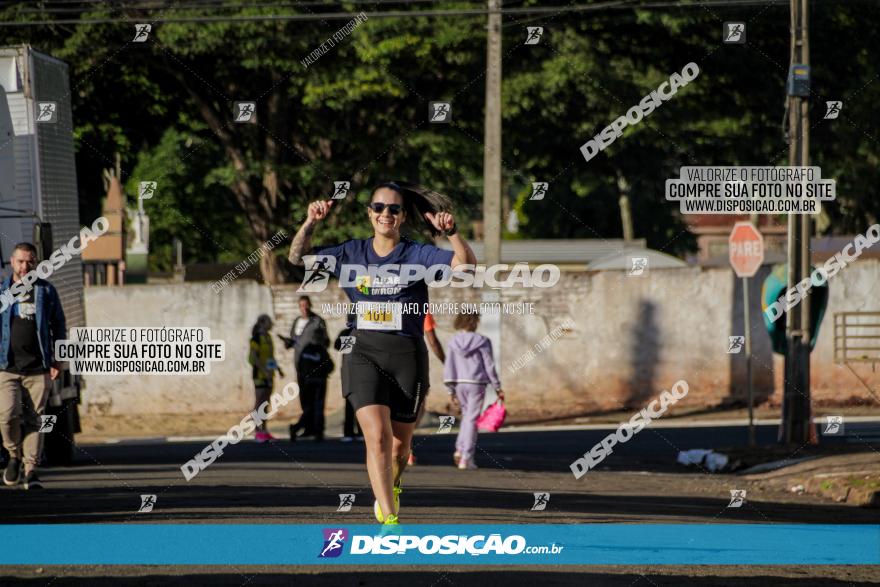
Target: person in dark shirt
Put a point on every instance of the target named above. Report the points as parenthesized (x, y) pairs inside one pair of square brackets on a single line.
[(309, 339), (25, 357), (30, 326), (385, 361)]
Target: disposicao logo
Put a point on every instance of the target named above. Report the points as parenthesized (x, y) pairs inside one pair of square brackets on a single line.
[(334, 541), (432, 544)]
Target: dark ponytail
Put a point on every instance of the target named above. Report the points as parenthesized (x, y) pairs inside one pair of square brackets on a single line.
[(418, 200)]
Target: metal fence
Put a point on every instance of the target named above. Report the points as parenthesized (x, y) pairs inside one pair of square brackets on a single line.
[(856, 337)]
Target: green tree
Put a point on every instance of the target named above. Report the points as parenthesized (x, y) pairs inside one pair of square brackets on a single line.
[(359, 113)]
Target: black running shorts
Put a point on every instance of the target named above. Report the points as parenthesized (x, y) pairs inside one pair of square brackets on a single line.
[(386, 369)]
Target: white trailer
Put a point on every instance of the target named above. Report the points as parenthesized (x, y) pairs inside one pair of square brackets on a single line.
[(38, 198)]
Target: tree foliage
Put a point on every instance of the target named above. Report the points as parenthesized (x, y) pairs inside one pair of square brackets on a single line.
[(360, 113)]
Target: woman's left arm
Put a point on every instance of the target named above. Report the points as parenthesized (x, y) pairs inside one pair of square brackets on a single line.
[(463, 255)]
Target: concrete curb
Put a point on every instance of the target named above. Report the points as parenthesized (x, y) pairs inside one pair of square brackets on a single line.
[(838, 487)]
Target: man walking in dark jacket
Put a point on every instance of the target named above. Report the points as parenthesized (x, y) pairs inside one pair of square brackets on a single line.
[(309, 339), (29, 327)]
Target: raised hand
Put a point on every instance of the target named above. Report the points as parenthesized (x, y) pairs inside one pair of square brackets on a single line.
[(303, 238), (319, 210), (442, 221)]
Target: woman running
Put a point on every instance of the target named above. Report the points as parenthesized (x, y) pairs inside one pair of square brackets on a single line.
[(385, 375)]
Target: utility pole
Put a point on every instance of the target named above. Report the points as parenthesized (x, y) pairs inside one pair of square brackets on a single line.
[(796, 415), (492, 140), (623, 189), (491, 322)]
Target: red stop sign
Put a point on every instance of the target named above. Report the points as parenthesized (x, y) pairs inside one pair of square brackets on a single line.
[(746, 249)]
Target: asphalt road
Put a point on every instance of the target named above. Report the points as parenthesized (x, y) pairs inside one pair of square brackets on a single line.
[(300, 483)]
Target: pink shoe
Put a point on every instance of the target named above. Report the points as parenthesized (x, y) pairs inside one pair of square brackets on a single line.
[(263, 437)]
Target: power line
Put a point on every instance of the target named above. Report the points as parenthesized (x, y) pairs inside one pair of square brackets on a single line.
[(57, 4), (146, 6), (620, 4)]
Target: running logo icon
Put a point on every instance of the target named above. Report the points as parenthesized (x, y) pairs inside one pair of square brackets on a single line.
[(533, 34), (346, 344), (446, 424), (734, 33), (737, 498), (637, 267), (146, 190), (147, 503), (47, 423), (833, 425), (318, 272), (141, 33), (346, 500), (832, 109), (47, 112), (245, 111), (439, 112), (735, 344), (541, 501), (539, 190), (340, 189), (334, 541)]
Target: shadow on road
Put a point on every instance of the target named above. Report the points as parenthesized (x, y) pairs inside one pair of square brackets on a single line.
[(300, 483), (239, 503)]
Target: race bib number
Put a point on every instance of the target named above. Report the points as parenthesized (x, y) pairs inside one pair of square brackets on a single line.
[(380, 316)]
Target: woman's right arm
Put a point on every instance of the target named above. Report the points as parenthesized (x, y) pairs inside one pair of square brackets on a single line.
[(303, 239)]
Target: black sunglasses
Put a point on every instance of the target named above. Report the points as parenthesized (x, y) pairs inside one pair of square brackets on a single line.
[(379, 207)]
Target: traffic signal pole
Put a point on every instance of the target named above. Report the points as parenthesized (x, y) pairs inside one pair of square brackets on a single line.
[(747, 323), (796, 416)]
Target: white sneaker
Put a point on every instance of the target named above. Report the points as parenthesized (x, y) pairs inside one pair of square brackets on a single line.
[(464, 464)]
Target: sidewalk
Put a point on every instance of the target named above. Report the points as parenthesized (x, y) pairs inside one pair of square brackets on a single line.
[(845, 478), (116, 428), (762, 414)]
